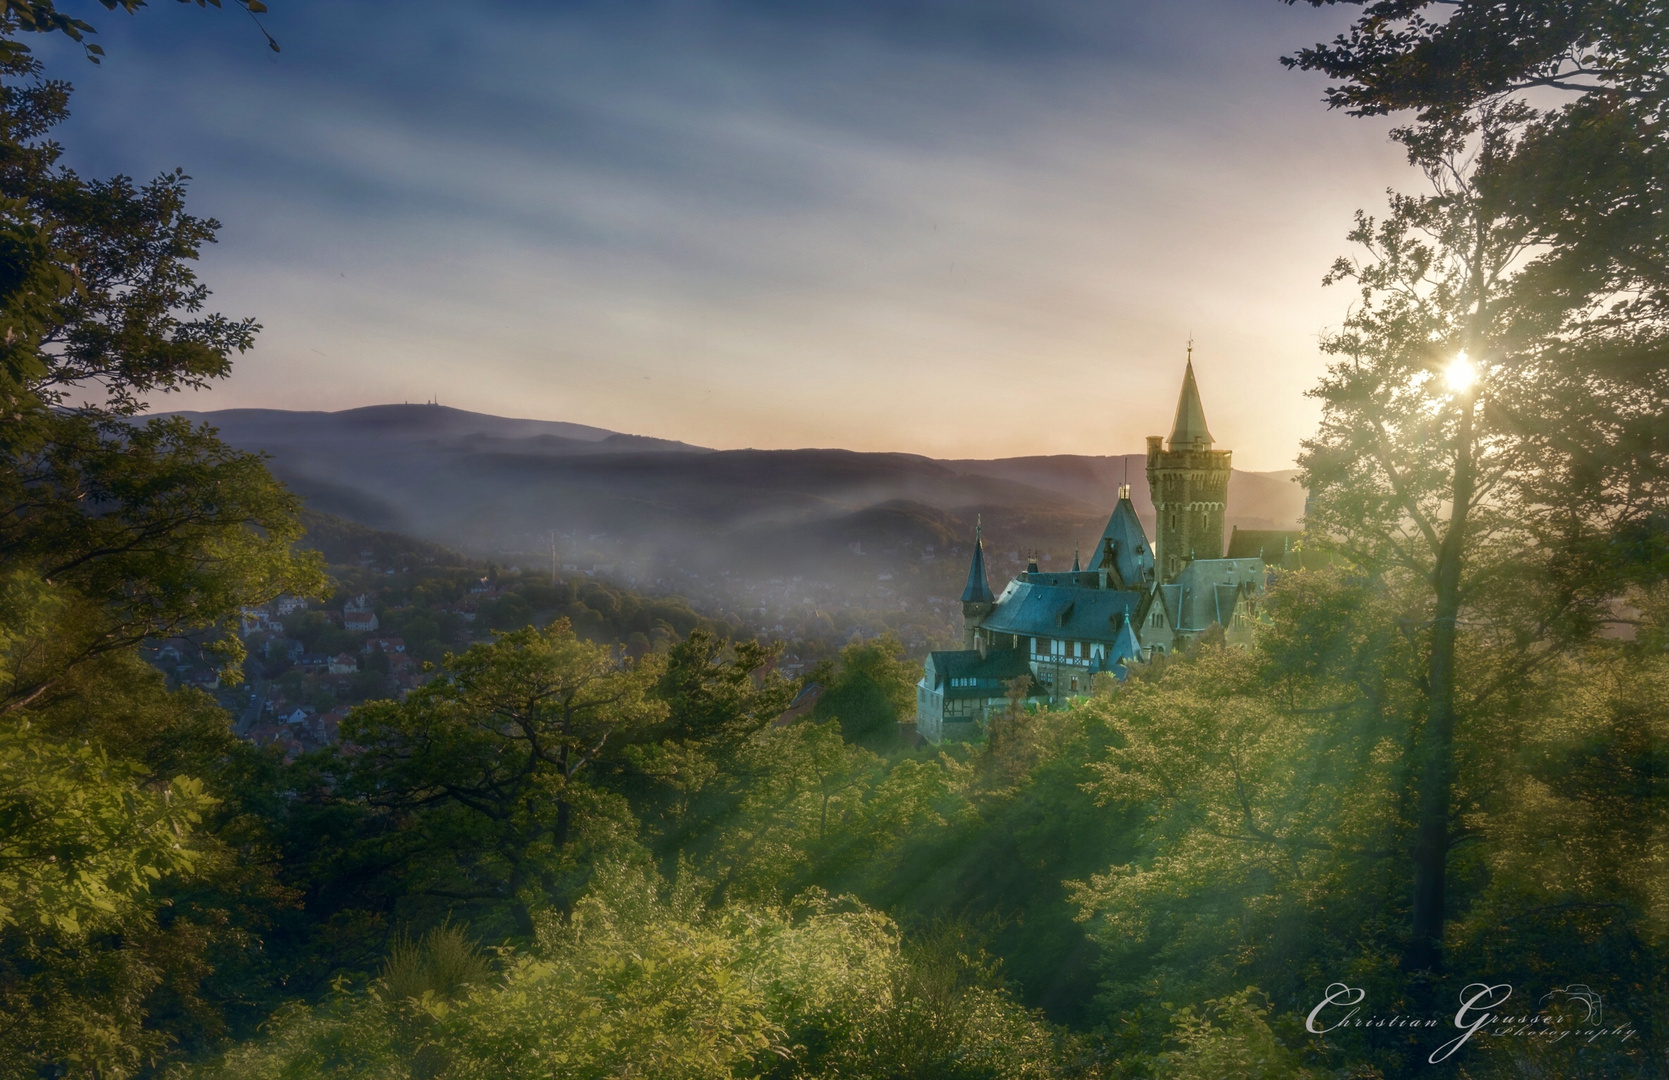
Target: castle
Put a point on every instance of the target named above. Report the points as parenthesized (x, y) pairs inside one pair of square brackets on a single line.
[(1134, 600)]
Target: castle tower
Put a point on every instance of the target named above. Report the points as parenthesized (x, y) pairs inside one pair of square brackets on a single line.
[(977, 600), (1189, 482)]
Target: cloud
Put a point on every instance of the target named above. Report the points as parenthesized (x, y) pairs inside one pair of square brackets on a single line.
[(972, 229)]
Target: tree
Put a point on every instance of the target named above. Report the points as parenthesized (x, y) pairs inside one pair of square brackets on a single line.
[(870, 690), (84, 843), (112, 529), (1398, 56), (721, 690), (43, 16), (643, 980), (1271, 797), (484, 774), (135, 879), (1471, 458), (691, 773), (1259, 827), (1588, 178), (143, 528), (1229, 1037)]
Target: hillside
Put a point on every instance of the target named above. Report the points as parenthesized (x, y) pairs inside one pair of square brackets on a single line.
[(702, 521)]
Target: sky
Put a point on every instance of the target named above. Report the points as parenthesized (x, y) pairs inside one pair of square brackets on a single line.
[(962, 228)]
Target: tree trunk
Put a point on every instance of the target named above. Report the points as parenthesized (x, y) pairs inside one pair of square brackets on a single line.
[(1431, 844), (520, 910), (564, 822), (564, 811)]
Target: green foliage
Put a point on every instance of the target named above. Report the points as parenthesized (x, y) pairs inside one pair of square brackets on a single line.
[(127, 874), (1473, 458), (318, 634), (85, 844), (691, 775), (870, 690), (83, 839), (484, 775), (641, 981), (1266, 825), (1397, 58), (341, 542), (1226, 1038), (506, 613), (1586, 179), (1275, 805), (439, 966), (143, 529)]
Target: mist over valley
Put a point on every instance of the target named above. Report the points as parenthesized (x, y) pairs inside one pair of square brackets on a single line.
[(775, 533)]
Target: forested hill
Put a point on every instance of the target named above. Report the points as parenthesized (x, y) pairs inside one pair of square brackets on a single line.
[(416, 587), (494, 485)]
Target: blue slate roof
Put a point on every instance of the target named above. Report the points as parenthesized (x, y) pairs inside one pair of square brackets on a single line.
[(1189, 429), (1270, 545), (1123, 548), (1206, 591), (1056, 608), (963, 673), (979, 589)]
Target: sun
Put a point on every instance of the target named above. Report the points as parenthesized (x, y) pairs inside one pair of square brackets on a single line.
[(1461, 374)]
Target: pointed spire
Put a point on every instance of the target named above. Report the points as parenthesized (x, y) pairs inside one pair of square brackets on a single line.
[(1075, 567), (979, 589), (1190, 429), (1126, 646)]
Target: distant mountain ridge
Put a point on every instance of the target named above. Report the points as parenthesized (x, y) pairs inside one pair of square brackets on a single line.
[(434, 421), (492, 484)]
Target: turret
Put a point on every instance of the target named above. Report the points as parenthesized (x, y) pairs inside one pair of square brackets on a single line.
[(977, 600), (1123, 556), (1189, 482)]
